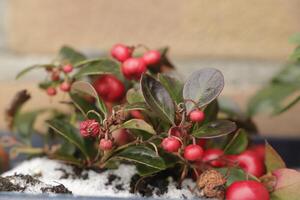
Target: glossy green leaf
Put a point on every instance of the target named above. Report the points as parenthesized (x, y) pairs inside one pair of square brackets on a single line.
[(83, 105), (33, 67), (273, 160), (238, 143), (270, 98), (104, 66), (70, 133), (287, 185), (88, 89), (202, 87), (235, 174), (69, 55), (137, 124), (215, 129), (158, 98), (136, 106), (142, 155), (173, 86), (144, 170)]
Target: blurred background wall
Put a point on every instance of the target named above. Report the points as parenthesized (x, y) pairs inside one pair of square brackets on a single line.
[(247, 40)]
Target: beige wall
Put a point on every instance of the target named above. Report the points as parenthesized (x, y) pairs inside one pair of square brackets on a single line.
[(214, 28)]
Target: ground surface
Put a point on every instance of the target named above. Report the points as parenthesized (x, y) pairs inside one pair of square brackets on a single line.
[(41, 175)]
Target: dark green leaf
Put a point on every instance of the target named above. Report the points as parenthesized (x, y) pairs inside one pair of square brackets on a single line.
[(142, 155), (144, 170), (83, 105), (88, 89), (173, 86), (28, 69), (137, 124), (211, 111), (66, 158), (158, 98), (136, 106), (24, 124), (238, 143), (235, 174), (273, 160), (202, 87), (104, 66), (69, 55), (70, 133), (270, 98), (215, 129)]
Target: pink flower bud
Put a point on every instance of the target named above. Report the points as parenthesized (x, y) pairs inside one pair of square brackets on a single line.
[(89, 128)]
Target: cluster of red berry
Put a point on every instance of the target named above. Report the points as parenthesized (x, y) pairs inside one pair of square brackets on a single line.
[(55, 76), (133, 67), (251, 160), (91, 128)]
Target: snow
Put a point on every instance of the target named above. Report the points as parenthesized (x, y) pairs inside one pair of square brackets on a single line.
[(95, 185)]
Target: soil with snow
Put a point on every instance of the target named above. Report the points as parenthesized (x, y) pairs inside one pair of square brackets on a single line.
[(41, 175)]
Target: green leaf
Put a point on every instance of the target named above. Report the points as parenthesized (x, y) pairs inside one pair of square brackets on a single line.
[(287, 185), (287, 107), (70, 133), (24, 124), (270, 98), (158, 98), (295, 39), (295, 55), (83, 105), (144, 170), (85, 62), (211, 111), (273, 160), (28, 69), (88, 89), (173, 86), (103, 66), (235, 174), (142, 155), (290, 74), (238, 143), (69, 55), (215, 129), (66, 158), (202, 87), (135, 106), (137, 124), (134, 96)]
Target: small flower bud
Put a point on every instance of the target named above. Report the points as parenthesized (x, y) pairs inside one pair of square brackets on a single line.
[(89, 128)]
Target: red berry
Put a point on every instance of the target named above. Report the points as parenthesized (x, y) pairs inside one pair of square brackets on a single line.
[(65, 87), (171, 144), (133, 68), (109, 88), (136, 114), (193, 152), (105, 144), (247, 190), (251, 163), (197, 116), (55, 75), (67, 68), (211, 156), (121, 136), (89, 127), (177, 131), (51, 91), (121, 52), (259, 150), (151, 57)]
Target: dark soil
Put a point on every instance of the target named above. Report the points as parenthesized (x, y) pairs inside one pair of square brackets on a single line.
[(59, 189), (149, 186), (111, 178), (6, 185), (77, 173)]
